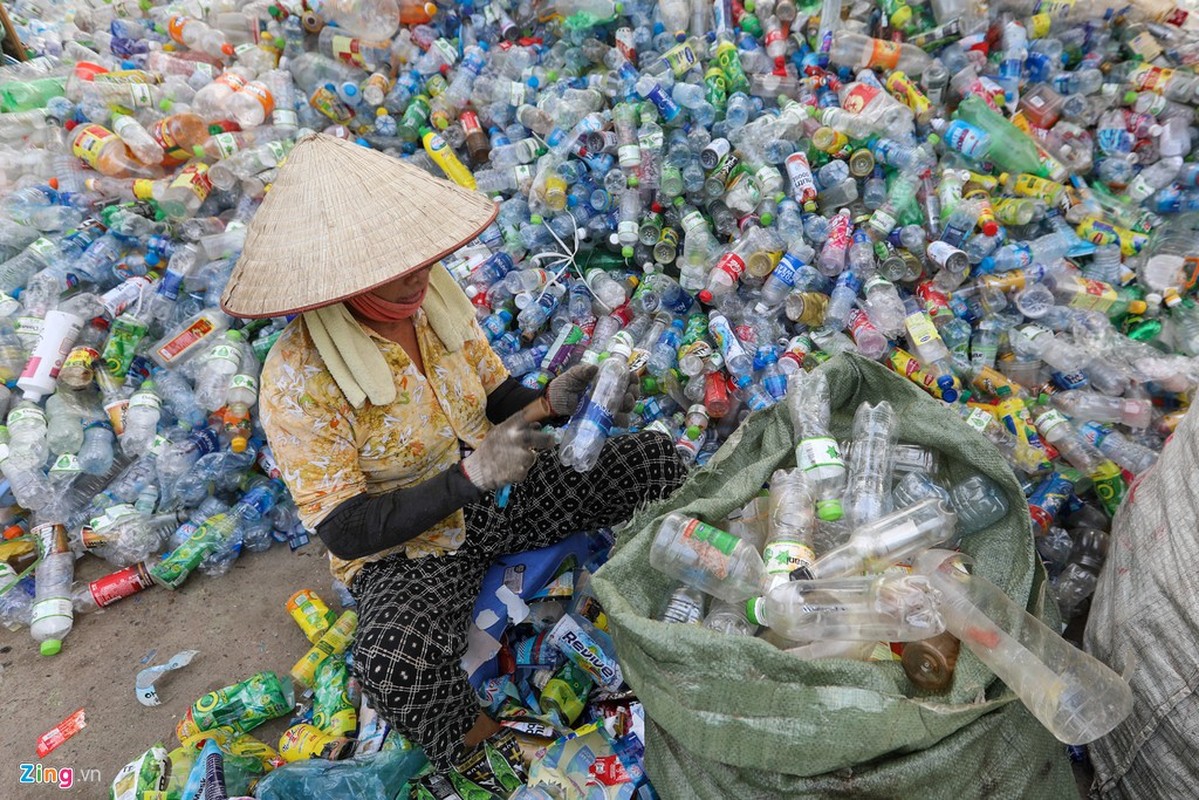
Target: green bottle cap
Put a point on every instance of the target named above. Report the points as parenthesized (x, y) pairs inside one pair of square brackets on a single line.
[(751, 610), (829, 510), (51, 647), (626, 251), (1130, 97)]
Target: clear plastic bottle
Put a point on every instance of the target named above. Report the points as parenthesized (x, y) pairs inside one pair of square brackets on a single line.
[(1070, 692), (141, 420), (857, 50), (53, 614), (588, 428), (27, 444), (886, 541), (1091, 406), (219, 365), (817, 452), (96, 455), (713, 561), (871, 459), (729, 618), (685, 606), (788, 546), (890, 608), (978, 502)]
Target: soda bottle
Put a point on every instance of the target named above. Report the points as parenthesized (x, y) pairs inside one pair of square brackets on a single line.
[(589, 427)]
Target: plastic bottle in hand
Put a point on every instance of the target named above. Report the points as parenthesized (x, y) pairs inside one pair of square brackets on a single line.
[(714, 561), (817, 453), (588, 428), (1071, 693), (886, 541), (889, 608), (53, 614), (871, 460)]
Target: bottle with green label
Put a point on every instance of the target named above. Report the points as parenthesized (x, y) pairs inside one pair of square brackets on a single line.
[(711, 560)]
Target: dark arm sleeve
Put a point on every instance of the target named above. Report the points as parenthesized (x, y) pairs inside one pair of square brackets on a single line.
[(508, 398), (365, 525)]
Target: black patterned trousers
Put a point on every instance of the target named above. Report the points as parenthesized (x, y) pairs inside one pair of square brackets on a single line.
[(414, 614)]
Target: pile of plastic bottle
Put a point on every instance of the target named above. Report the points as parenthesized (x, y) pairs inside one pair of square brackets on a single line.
[(988, 201), (839, 560)]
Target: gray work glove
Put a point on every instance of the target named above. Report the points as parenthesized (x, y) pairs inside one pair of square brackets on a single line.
[(563, 393), (507, 453)]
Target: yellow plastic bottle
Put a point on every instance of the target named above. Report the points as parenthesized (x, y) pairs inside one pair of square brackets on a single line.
[(443, 155)]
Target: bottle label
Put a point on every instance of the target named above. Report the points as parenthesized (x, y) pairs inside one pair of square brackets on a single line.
[(241, 381), (145, 400), (81, 359), (262, 94), (226, 144), (940, 252), (921, 330), (225, 352), (732, 265), (713, 546), (979, 420), (860, 96), (51, 608), (140, 95), (783, 558), (116, 414), (803, 185), (285, 118), (968, 140), (820, 453), (348, 49), (1096, 295), (194, 178), (1037, 187), (683, 611), (90, 142), (1049, 420), (904, 90), (1109, 486), (119, 298), (42, 247), (185, 340), (885, 54), (22, 414), (66, 464)]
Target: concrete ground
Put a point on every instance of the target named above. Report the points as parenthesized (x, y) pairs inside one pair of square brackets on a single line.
[(238, 622)]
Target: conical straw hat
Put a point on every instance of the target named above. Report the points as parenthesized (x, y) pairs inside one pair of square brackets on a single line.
[(341, 219)]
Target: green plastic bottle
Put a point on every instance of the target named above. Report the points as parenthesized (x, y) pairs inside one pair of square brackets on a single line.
[(1011, 149)]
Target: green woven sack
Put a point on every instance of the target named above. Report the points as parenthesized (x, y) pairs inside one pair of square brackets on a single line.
[(734, 717)]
